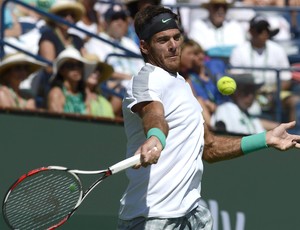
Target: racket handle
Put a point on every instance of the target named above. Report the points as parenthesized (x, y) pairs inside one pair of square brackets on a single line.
[(125, 164)]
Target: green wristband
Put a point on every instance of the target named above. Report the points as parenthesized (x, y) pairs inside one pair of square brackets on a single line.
[(159, 134), (254, 142)]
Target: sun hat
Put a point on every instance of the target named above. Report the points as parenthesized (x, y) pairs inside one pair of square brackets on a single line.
[(19, 58), (61, 5), (105, 69), (261, 23), (214, 2), (70, 53)]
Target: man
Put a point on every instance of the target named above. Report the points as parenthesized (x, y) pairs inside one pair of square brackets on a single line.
[(233, 116), (116, 26), (163, 122), (217, 35), (262, 52)]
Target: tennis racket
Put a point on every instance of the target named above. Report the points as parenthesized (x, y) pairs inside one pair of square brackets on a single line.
[(45, 198)]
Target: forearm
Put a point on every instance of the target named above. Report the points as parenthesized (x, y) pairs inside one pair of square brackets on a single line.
[(222, 148)]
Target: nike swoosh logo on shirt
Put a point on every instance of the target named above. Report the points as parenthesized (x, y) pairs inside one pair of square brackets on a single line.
[(165, 20)]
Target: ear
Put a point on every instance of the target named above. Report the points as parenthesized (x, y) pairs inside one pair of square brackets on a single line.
[(144, 47)]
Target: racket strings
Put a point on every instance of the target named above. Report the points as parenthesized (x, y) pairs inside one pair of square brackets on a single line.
[(42, 200)]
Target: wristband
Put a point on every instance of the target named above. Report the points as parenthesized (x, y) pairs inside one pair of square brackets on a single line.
[(254, 142), (159, 134)]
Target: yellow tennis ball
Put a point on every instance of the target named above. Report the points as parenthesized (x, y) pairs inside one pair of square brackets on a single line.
[(226, 85)]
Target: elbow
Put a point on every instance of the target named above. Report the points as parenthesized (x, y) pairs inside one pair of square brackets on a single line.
[(209, 158)]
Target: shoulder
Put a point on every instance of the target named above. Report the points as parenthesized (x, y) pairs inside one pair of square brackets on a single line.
[(56, 92), (226, 108), (4, 91), (275, 46)]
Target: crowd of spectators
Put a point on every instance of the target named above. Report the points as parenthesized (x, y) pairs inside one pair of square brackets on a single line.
[(92, 62)]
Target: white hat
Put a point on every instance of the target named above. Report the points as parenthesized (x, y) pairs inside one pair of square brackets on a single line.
[(20, 59), (67, 54)]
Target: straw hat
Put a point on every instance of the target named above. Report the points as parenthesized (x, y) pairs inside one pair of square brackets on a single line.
[(67, 54), (105, 69), (18, 58), (62, 5), (212, 2)]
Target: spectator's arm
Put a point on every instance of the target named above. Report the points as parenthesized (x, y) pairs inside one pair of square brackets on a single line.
[(15, 30), (47, 51), (56, 100)]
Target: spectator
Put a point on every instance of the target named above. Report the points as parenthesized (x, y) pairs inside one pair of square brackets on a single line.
[(12, 28), (260, 51), (276, 19), (233, 116), (295, 19), (133, 7), (90, 21), (193, 68), (55, 38), (67, 93), (116, 26), (31, 32), (216, 35), (13, 69), (97, 105)]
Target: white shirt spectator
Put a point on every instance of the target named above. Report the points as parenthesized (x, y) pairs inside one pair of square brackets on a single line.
[(208, 36), (235, 120), (273, 56)]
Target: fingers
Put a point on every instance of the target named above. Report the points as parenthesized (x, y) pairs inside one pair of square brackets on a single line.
[(289, 125), (148, 158)]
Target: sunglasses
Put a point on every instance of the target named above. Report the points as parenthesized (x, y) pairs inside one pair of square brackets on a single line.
[(118, 16), (66, 13), (23, 67), (72, 65)]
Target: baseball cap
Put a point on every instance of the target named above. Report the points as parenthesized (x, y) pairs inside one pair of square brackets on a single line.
[(115, 12), (260, 23)]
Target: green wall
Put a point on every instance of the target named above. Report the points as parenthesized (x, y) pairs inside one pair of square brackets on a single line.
[(256, 192)]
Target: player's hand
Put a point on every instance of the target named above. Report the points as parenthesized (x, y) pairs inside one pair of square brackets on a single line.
[(280, 139), (150, 152)]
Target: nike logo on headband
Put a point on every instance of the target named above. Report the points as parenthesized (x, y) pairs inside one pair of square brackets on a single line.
[(165, 20)]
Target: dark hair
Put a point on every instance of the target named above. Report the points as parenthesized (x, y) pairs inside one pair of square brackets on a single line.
[(58, 82), (144, 16)]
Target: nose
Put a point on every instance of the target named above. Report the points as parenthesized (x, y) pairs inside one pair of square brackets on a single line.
[(172, 45)]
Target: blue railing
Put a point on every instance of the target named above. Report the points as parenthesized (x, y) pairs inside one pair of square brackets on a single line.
[(55, 18)]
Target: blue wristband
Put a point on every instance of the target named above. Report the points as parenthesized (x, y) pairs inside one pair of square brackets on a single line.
[(159, 134), (254, 142)]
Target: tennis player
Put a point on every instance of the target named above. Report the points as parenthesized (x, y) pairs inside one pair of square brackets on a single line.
[(161, 111)]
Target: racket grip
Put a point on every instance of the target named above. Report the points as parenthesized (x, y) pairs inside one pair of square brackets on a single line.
[(125, 164)]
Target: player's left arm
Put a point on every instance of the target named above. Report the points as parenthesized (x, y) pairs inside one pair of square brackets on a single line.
[(218, 148)]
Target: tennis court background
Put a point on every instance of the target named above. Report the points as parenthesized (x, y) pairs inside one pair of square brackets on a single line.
[(256, 192)]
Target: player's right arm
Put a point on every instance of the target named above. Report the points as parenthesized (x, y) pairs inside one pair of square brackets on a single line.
[(152, 115)]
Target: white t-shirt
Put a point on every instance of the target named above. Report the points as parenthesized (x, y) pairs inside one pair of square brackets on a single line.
[(208, 36), (235, 120), (171, 188), (273, 56)]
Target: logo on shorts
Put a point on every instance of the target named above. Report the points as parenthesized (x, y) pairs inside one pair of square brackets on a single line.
[(165, 20)]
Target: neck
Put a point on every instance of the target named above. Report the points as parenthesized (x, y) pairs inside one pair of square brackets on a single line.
[(71, 86), (256, 45)]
